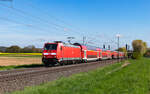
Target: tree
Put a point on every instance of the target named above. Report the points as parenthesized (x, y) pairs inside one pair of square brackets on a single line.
[(145, 47), (13, 49), (31, 49), (139, 48), (3, 49)]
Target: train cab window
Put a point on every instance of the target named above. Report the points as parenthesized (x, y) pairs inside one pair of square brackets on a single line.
[(50, 47)]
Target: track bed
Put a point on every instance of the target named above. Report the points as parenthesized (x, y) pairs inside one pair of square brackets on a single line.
[(17, 79)]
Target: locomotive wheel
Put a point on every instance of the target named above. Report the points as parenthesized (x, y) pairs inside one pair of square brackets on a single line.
[(73, 62), (52, 65), (61, 63), (112, 56), (46, 64), (84, 61)]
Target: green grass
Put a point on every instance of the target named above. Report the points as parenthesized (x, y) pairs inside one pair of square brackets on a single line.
[(133, 79), (20, 66)]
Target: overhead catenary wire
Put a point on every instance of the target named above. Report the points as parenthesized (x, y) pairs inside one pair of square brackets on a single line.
[(23, 24), (27, 25), (25, 13), (30, 15), (22, 12), (40, 19), (23, 16), (36, 17), (36, 8), (55, 18), (51, 16)]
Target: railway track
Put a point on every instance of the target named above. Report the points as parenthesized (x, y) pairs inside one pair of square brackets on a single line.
[(18, 79)]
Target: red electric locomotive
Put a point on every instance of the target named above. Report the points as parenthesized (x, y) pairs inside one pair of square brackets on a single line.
[(61, 53)]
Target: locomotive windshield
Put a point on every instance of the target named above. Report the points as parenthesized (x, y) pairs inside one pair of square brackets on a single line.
[(50, 46)]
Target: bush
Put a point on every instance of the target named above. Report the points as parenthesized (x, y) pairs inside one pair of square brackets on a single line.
[(13, 49), (139, 48), (136, 55), (147, 54), (31, 49)]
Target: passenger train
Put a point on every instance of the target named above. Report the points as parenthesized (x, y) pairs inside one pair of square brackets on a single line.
[(61, 53)]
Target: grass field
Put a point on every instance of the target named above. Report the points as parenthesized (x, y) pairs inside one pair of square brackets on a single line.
[(11, 59), (113, 79)]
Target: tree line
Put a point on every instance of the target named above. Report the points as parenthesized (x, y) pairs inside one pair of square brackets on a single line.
[(17, 49)]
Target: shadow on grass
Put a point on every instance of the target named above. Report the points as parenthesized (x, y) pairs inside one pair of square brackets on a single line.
[(29, 66), (21, 66)]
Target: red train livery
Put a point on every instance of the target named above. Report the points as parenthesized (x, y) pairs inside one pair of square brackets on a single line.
[(61, 53)]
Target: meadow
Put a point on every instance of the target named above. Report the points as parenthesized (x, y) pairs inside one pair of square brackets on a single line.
[(114, 79)]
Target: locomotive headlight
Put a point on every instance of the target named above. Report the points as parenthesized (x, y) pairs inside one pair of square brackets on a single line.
[(53, 53), (45, 53)]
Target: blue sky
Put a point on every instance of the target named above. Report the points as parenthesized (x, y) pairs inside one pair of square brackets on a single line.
[(98, 20)]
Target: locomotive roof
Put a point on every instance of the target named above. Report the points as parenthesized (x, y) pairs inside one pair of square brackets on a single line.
[(64, 44), (70, 45)]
